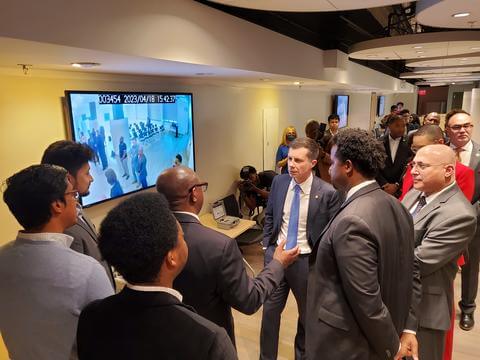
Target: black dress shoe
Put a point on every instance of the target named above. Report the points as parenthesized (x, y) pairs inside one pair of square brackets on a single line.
[(466, 322)]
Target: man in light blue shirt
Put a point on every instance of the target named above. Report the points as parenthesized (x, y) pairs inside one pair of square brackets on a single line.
[(44, 284)]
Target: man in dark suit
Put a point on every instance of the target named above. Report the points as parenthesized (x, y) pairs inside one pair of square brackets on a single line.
[(147, 319), (214, 279), (361, 270), (459, 128), (444, 222), (398, 156), (299, 206), (74, 157)]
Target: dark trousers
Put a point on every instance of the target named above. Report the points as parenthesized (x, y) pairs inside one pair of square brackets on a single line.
[(431, 344), (470, 275), (295, 279)]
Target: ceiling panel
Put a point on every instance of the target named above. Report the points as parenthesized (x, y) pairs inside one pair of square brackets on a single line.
[(438, 13)]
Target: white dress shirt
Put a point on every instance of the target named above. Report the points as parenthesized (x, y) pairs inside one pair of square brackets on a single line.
[(393, 143), (156, 289), (302, 241), (357, 187), (466, 154), (430, 198), (188, 213)]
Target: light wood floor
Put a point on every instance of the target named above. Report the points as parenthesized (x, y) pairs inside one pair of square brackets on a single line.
[(247, 328)]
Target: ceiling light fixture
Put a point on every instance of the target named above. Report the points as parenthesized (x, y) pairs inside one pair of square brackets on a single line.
[(418, 47), (371, 56), (266, 79), (85, 64), (464, 59), (460, 15), (297, 83), (475, 48), (420, 52), (422, 56)]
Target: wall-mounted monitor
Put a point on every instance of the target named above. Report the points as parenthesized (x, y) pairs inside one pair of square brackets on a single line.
[(134, 137), (381, 105), (340, 107)]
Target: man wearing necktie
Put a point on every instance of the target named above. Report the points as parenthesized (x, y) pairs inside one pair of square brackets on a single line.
[(74, 157), (459, 128), (299, 206), (361, 269), (444, 223)]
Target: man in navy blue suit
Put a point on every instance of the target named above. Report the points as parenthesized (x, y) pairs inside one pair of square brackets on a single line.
[(299, 207)]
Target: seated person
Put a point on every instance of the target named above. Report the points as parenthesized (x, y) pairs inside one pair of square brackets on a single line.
[(254, 188), (45, 284), (147, 319)]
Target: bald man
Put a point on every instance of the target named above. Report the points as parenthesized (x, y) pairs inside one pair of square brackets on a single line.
[(432, 119), (444, 222), (214, 279)]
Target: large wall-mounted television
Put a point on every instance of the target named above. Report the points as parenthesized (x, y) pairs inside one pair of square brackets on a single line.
[(340, 107), (381, 105), (134, 137)]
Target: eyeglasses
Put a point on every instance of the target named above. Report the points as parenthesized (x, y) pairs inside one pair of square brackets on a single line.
[(74, 193), (203, 186), (459, 127), (421, 165)]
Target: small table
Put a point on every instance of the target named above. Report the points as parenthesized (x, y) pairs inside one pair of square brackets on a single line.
[(208, 221)]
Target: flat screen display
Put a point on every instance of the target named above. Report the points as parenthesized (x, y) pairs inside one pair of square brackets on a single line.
[(381, 105), (134, 137), (340, 107)]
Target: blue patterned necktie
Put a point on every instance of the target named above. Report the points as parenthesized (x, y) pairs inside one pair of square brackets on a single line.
[(293, 221), (421, 203)]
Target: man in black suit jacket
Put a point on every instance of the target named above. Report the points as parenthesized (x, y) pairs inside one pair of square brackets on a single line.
[(147, 319), (398, 156), (74, 157), (214, 279), (318, 201), (361, 270)]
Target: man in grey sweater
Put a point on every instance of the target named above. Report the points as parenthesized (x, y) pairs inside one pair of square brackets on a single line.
[(44, 284)]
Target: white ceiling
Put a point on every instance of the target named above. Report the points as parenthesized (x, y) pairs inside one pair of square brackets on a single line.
[(444, 75), (417, 46), (466, 59), (438, 13), (309, 5), (450, 69)]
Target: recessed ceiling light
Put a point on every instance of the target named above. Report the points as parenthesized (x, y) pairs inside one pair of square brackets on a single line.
[(463, 59), (85, 64), (297, 83), (266, 79), (418, 47), (475, 48), (371, 56), (460, 15), (422, 56), (453, 83)]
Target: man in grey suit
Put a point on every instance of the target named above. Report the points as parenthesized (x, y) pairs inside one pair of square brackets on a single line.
[(74, 157), (444, 222), (214, 279), (361, 269), (44, 284), (459, 128), (299, 206)]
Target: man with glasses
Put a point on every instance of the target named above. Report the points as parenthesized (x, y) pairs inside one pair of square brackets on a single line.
[(444, 223), (44, 283), (459, 128), (75, 157), (214, 279), (430, 135)]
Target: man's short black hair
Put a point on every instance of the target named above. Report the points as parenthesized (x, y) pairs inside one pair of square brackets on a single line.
[(454, 112), (393, 108), (366, 154), (31, 192), (333, 117), (393, 118), (68, 154), (179, 158), (400, 103), (404, 112), (136, 236), (246, 171)]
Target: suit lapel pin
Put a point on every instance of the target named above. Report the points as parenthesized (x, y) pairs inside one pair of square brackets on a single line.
[(316, 196)]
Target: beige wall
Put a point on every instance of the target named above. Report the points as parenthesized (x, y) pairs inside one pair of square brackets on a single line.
[(228, 123)]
